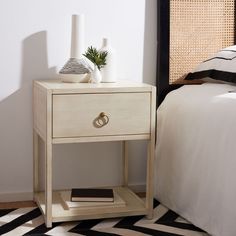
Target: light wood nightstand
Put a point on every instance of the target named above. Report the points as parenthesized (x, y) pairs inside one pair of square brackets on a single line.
[(82, 112)]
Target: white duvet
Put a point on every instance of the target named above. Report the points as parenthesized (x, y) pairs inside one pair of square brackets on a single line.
[(195, 172)]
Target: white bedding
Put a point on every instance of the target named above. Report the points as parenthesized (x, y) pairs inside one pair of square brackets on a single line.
[(195, 172)]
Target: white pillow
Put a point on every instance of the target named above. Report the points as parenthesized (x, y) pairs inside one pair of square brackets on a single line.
[(221, 67)]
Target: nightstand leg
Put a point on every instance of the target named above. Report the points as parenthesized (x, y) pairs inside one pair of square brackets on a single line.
[(48, 184), (36, 162), (150, 172), (125, 163)]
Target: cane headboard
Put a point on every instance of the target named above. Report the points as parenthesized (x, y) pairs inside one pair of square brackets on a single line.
[(190, 31)]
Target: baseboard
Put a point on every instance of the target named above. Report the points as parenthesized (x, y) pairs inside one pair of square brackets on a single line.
[(28, 196), (16, 197)]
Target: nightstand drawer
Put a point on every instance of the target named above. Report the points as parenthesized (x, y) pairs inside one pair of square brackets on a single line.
[(77, 115)]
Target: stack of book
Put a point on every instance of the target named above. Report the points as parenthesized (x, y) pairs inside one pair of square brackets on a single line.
[(92, 195), (90, 198)]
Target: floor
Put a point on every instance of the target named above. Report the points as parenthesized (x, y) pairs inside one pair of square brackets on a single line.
[(11, 205), (29, 221)]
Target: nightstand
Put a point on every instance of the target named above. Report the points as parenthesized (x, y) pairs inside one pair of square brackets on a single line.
[(83, 112)]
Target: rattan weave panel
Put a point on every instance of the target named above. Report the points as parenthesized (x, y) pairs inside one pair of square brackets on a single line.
[(198, 29)]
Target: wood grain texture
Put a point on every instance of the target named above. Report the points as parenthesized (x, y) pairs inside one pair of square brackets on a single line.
[(48, 162), (134, 206), (14, 205), (107, 138), (40, 110), (150, 157), (77, 115), (68, 114), (125, 163), (36, 161), (58, 87)]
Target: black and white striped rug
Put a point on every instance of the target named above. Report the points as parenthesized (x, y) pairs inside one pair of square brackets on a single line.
[(29, 221)]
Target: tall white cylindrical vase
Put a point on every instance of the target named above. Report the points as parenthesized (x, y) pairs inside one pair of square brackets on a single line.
[(109, 70), (77, 68), (77, 36)]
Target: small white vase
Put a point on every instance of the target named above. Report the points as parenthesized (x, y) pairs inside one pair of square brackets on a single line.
[(96, 76), (109, 70)]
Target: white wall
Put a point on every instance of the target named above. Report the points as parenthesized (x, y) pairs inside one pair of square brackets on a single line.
[(34, 44)]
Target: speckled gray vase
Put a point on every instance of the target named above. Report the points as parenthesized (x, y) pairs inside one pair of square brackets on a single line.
[(75, 71)]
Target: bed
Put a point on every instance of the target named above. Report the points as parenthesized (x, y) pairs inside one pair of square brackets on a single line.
[(195, 167), (196, 131)]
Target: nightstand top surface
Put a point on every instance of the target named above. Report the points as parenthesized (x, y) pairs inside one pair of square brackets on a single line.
[(56, 86)]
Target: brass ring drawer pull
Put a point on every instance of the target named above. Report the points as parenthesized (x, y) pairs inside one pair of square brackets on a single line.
[(101, 120)]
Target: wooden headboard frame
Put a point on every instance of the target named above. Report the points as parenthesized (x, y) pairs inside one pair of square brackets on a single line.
[(227, 38)]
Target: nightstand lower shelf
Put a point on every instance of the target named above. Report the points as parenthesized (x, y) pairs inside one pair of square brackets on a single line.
[(133, 206)]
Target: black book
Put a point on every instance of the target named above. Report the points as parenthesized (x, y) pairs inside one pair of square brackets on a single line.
[(92, 195)]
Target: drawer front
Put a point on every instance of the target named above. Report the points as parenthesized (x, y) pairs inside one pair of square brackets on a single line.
[(77, 115)]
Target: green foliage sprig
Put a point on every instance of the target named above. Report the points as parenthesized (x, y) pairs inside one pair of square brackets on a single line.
[(98, 58)]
